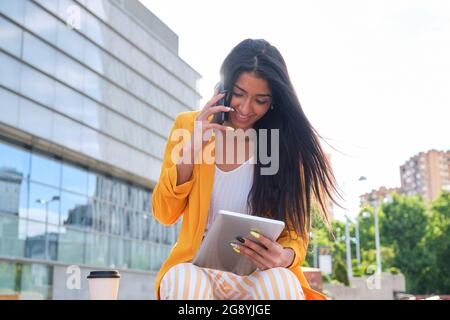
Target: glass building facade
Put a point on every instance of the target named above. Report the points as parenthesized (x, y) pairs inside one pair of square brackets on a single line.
[(88, 94)]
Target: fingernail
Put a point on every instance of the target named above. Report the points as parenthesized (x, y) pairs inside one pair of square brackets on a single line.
[(240, 239), (255, 234), (235, 247), (230, 109), (230, 128)]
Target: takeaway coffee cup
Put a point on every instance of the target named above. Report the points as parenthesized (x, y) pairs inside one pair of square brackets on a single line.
[(103, 285)]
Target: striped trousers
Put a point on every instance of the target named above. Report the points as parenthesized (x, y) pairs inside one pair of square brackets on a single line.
[(186, 281)]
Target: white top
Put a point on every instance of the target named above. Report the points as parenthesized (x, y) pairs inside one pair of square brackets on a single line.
[(230, 190)]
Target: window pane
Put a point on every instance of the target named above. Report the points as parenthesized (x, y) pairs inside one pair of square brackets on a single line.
[(39, 54), (67, 132), (74, 179), (68, 101), (100, 8), (11, 71), (100, 215), (154, 263), (93, 57), (70, 42), (17, 160), (10, 37), (92, 185), (35, 119), (133, 198), (104, 188), (92, 112), (36, 282), (122, 193), (24, 198), (51, 5), (12, 235), (136, 230), (10, 111), (93, 85), (13, 193), (69, 71), (71, 246), (140, 255), (40, 22), (153, 230), (140, 200), (13, 9), (114, 216), (145, 225), (117, 252), (158, 256), (42, 208), (126, 254), (96, 249), (95, 30), (45, 170), (119, 20), (8, 277), (41, 241), (127, 223), (74, 210), (147, 202), (121, 214), (94, 205), (37, 86)]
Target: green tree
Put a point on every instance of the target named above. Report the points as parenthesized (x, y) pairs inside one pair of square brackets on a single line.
[(340, 272), (437, 244), (404, 227), (414, 237), (334, 239), (366, 228)]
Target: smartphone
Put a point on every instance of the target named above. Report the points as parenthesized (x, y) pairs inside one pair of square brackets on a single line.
[(222, 116)]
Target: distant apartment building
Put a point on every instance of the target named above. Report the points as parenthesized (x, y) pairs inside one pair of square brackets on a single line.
[(371, 197), (426, 174)]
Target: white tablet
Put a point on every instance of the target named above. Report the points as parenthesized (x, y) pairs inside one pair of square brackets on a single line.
[(215, 251)]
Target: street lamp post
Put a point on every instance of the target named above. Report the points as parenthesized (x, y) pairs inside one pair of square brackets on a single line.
[(349, 248), (358, 249), (377, 239), (46, 203), (377, 231)]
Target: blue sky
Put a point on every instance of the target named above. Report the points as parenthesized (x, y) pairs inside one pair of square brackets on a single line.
[(373, 77)]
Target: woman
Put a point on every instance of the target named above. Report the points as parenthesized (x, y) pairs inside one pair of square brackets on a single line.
[(260, 96)]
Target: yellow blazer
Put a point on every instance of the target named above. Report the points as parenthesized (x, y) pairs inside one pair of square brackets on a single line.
[(191, 199)]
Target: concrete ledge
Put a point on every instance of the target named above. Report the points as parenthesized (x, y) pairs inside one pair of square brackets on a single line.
[(367, 288)]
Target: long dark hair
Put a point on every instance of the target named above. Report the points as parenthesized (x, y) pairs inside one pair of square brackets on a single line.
[(305, 176)]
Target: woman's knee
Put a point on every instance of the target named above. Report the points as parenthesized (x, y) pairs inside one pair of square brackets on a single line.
[(180, 267), (289, 274), (178, 280), (290, 286)]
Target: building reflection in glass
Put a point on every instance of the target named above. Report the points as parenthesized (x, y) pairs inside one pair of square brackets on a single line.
[(32, 280), (96, 220)]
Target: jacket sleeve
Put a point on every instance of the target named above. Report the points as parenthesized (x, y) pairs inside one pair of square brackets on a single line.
[(168, 199), (290, 239)]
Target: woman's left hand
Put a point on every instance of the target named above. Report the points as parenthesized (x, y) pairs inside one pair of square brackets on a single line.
[(266, 254)]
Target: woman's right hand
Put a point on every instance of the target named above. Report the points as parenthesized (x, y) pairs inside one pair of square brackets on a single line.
[(203, 128)]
